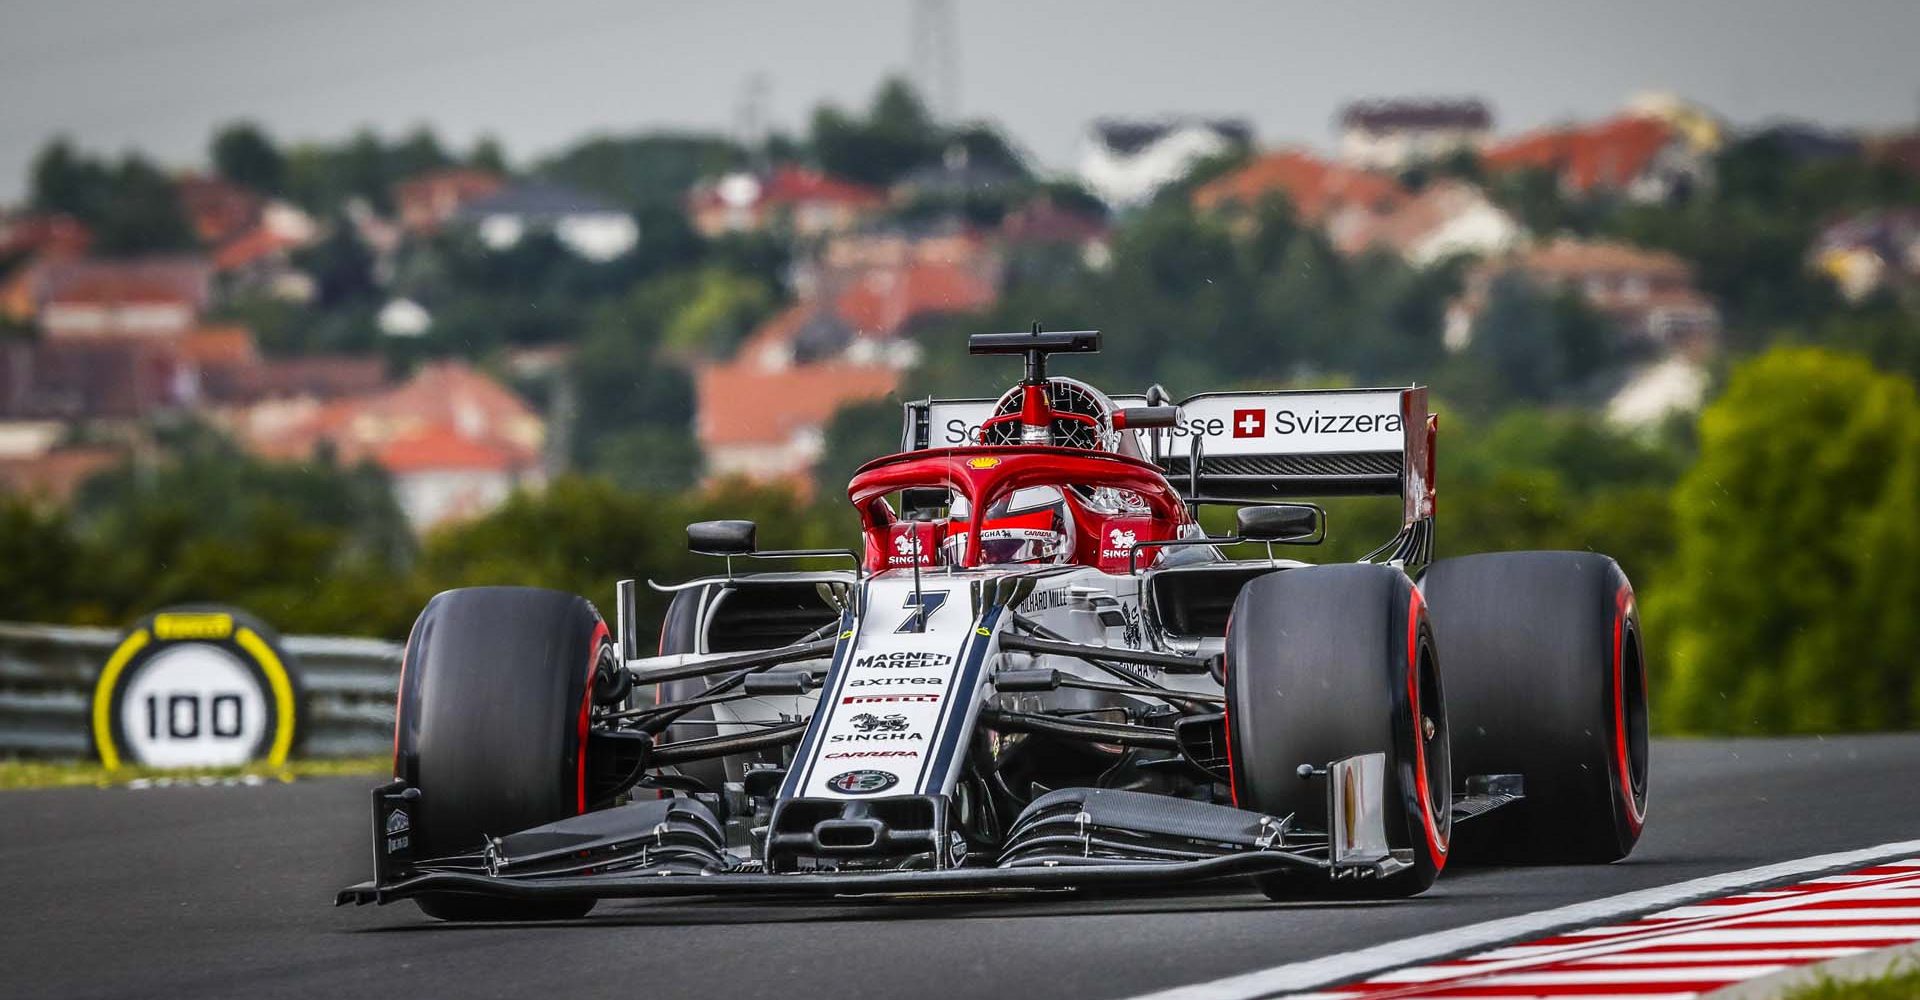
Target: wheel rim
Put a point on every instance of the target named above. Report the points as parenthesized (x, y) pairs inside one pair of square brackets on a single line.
[(1634, 719), (1436, 746)]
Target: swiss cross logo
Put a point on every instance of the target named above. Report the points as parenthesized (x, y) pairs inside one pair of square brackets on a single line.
[(1249, 424)]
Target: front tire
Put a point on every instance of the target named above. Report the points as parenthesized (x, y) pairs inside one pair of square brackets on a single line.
[(1326, 662), (492, 724)]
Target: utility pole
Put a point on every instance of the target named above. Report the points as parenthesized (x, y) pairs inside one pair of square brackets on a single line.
[(750, 118), (936, 60)]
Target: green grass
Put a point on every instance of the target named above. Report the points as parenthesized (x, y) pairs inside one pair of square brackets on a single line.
[(1899, 983), (18, 774)]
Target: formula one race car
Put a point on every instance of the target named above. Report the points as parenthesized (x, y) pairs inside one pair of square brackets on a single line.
[(1039, 673)]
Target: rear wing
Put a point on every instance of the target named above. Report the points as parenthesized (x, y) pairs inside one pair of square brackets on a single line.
[(1255, 447)]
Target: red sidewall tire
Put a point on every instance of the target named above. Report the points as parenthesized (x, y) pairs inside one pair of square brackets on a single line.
[(1546, 678), (491, 725), (1328, 662)]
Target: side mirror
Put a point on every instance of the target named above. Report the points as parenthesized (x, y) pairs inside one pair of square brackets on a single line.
[(1280, 522), (721, 538), (1140, 418)]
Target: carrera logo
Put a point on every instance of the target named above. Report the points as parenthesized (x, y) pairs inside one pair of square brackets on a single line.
[(1249, 424), (1289, 422), (870, 754), (879, 699)]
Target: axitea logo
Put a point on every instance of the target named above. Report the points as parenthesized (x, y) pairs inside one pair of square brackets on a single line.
[(1254, 423)]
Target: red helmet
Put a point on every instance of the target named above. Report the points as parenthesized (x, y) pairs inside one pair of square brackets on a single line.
[(1032, 525)]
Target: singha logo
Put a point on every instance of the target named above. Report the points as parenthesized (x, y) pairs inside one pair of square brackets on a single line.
[(907, 546), (867, 722), (1122, 539)]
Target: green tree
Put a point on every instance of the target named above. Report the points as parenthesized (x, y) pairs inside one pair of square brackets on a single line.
[(582, 535), (646, 171), (896, 135), (720, 309), (1791, 604), (141, 212), (1534, 345), (63, 180), (244, 154), (38, 561), (488, 154), (341, 266), (131, 206), (857, 434)]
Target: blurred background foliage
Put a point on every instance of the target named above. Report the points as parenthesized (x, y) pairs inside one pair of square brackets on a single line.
[(1774, 541)]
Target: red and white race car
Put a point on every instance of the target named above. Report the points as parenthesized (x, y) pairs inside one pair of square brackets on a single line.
[(1039, 671)]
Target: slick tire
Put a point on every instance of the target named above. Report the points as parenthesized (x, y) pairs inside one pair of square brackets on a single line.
[(1326, 662), (492, 724), (1546, 678)]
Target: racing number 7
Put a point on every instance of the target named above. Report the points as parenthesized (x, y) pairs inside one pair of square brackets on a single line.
[(922, 605)]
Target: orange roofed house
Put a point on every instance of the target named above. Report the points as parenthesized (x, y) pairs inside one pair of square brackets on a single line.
[(427, 201), (455, 442), (1318, 189), (1359, 209), (1649, 295), (807, 202), (764, 414), (143, 297), (1643, 156)]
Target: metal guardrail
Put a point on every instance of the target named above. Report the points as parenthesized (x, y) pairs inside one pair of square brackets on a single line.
[(47, 674)]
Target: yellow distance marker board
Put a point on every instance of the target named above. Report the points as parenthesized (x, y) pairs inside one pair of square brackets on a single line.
[(196, 687)]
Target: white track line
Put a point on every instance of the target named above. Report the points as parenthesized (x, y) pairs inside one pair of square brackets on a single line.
[(1296, 976)]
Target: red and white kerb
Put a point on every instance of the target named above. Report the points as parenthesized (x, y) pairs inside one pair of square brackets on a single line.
[(1682, 952)]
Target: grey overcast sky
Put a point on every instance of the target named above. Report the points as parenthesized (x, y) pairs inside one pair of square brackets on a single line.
[(158, 75)]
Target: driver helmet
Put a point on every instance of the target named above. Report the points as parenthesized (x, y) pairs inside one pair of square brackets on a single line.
[(1032, 526)]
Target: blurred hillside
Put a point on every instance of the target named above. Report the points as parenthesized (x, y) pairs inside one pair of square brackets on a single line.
[(326, 380)]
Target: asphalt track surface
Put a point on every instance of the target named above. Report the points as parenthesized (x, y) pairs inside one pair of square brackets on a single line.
[(226, 891)]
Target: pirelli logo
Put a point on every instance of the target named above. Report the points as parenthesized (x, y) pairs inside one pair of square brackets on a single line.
[(870, 699), (178, 626)]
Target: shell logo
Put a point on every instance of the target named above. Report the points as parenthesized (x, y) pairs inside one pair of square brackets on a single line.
[(982, 462)]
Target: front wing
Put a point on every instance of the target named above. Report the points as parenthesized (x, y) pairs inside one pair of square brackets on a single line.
[(1068, 839)]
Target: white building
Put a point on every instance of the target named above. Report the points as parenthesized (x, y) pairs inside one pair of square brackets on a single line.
[(1126, 162), (590, 227), (1393, 134)]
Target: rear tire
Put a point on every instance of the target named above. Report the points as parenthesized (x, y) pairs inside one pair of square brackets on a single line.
[(1326, 662), (1546, 678), (491, 727)]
